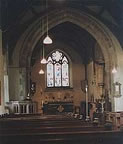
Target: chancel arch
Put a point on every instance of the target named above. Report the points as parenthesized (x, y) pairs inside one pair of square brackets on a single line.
[(108, 43)]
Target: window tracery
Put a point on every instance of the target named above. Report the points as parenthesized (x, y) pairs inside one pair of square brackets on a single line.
[(57, 70)]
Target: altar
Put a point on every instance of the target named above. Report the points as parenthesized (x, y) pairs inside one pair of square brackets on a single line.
[(57, 107)]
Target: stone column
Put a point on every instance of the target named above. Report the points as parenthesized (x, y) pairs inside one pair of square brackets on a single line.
[(108, 84), (27, 108), (6, 78), (19, 110), (2, 108)]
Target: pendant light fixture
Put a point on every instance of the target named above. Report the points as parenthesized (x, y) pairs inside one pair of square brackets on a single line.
[(114, 70), (47, 39), (41, 72), (43, 61)]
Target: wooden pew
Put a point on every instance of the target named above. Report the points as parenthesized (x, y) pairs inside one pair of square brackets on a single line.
[(64, 137), (55, 130)]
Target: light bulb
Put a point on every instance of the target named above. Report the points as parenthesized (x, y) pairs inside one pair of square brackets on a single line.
[(47, 40), (86, 88), (41, 72), (114, 70), (43, 61)]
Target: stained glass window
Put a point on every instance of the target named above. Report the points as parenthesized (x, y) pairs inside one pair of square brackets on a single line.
[(57, 75), (65, 74), (50, 80), (57, 70)]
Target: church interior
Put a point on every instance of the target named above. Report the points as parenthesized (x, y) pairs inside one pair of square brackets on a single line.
[(61, 66)]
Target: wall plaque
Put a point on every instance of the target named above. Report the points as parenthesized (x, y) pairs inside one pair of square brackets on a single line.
[(117, 89)]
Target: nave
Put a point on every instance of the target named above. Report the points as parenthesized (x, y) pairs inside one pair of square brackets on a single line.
[(55, 129), (77, 72)]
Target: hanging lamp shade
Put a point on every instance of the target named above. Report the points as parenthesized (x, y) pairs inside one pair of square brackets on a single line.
[(41, 72), (47, 40), (114, 70), (43, 61)]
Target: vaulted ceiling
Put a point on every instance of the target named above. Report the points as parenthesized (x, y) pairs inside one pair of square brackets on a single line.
[(13, 11), (72, 36)]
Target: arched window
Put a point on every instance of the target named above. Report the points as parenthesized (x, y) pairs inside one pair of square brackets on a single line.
[(58, 70)]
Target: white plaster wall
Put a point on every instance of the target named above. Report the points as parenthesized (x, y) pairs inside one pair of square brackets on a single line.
[(118, 77)]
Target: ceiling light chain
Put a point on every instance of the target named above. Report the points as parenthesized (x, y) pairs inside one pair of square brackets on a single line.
[(43, 61), (47, 39)]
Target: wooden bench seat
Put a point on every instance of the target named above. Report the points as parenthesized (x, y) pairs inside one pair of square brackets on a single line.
[(23, 123), (50, 129), (55, 130), (70, 137)]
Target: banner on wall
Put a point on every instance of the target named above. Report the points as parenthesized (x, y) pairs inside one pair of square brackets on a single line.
[(117, 89)]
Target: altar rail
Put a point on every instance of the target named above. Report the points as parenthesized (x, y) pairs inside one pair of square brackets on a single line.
[(22, 107), (116, 118)]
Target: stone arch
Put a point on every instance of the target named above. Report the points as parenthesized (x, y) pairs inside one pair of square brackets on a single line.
[(108, 43)]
